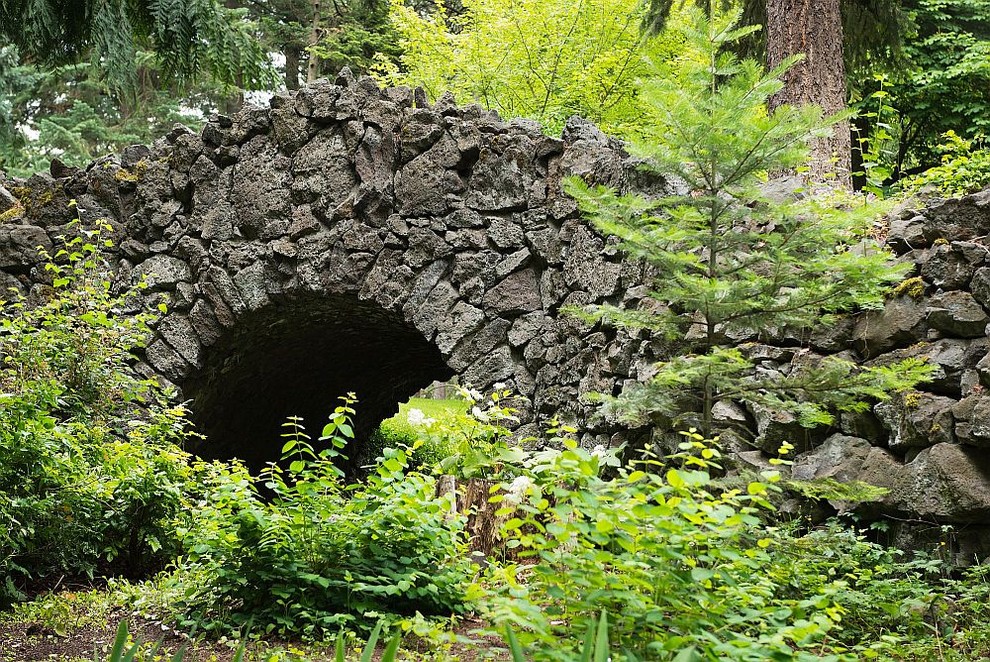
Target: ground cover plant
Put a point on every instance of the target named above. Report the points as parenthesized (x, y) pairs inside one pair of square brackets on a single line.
[(91, 468), (321, 554)]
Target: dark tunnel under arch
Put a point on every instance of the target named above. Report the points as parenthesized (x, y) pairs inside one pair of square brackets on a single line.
[(295, 357)]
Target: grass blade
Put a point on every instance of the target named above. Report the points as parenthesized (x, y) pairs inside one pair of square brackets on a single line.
[(514, 646), (392, 650), (601, 645), (369, 648), (117, 652), (589, 642)]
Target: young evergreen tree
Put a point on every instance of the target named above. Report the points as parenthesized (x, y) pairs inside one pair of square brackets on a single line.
[(734, 263)]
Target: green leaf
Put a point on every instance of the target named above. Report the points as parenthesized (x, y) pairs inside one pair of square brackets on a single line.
[(602, 653), (369, 648), (514, 647)]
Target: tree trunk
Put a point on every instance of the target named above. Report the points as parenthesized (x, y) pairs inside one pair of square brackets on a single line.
[(313, 70), (291, 68), (814, 28)]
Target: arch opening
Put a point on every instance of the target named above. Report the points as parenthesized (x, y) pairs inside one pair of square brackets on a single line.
[(295, 357)]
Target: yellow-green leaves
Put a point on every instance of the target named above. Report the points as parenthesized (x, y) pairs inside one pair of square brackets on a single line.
[(541, 59)]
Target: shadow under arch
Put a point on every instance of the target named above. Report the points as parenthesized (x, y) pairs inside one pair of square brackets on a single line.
[(295, 357)]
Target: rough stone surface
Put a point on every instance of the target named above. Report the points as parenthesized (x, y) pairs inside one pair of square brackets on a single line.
[(900, 323), (957, 313), (840, 457), (944, 483), (917, 420)]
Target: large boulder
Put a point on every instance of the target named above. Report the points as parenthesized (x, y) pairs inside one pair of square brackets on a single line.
[(956, 313), (945, 483), (840, 458), (917, 420), (901, 323)]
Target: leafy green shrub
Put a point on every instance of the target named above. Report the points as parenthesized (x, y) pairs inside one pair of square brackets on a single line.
[(410, 425), (466, 437), (90, 474), (321, 554), (964, 169), (683, 570)]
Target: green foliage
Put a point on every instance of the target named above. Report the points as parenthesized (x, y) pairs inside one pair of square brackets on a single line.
[(123, 650), (190, 38), (476, 445), (361, 38), (940, 82), (73, 114), (411, 425), (829, 489), (90, 473), (735, 263), (555, 59), (595, 646), (683, 571), (964, 169), (319, 554), (466, 437)]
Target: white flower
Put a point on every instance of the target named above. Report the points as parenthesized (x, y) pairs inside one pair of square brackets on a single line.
[(517, 490), (599, 451), (476, 395), (416, 417), (499, 386), (479, 415)]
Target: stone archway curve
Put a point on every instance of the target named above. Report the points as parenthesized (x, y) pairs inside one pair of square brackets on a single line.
[(349, 225)]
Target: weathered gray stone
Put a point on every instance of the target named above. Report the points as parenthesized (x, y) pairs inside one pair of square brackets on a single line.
[(162, 272), (951, 266), (975, 412), (958, 219), (773, 428), (907, 234), (421, 128), (7, 200), (840, 457), (899, 324), (917, 420), (864, 424), (19, 246), (946, 482), (179, 333), (958, 314), (585, 269), (502, 178), (518, 292), (462, 320), (980, 286)]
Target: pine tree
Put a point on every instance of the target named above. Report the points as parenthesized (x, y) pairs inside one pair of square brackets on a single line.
[(734, 263), (835, 36)]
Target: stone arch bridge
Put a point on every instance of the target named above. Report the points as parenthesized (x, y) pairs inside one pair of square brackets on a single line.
[(350, 238)]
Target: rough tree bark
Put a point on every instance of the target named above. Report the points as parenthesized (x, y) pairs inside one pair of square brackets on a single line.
[(313, 70), (292, 56), (814, 28)]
